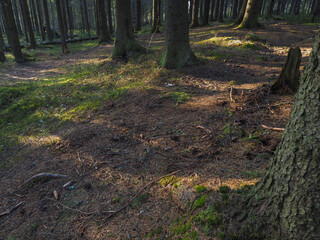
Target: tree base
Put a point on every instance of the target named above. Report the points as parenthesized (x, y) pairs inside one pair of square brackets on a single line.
[(126, 49), (179, 59)]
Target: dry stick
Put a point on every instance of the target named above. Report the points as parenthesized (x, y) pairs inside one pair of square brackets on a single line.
[(141, 190), (76, 210), (11, 210), (264, 106), (204, 129), (42, 176), (272, 128)]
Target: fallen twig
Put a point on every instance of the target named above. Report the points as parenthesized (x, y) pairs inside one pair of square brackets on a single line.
[(11, 210), (266, 106), (141, 190), (204, 129), (44, 176), (272, 128)]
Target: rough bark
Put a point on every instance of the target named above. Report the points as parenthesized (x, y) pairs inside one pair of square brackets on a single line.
[(12, 30), (16, 15), (102, 18), (290, 74), (138, 13), (250, 19), (26, 13), (195, 14), (242, 12), (285, 204), (177, 50), (47, 19), (124, 42), (64, 45)]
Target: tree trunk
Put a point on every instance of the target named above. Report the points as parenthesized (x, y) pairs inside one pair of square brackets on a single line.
[(124, 42), (190, 11), (290, 74), (316, 11), (242, 11), (156, 17), (64, 17), (25, 11), (2, 48), (285, 204), (109, 13), (270, 9), (201, 2), (250, 19), (16, 15), (70, 17), (138, 13), (34, 15), (212, 10), (43, 35), (195, 16), (12, 30), (47, 19), (86, 17), (102, 18), (221, 7), (216, 11), (206, 12), (64, 45), (177, 50)]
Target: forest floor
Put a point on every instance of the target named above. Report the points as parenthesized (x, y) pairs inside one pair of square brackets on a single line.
[(112, 127)]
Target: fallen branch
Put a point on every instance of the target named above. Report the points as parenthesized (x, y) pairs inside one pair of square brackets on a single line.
[(272, 128), (11, 210), (204, 129), (43, 177), (141, 190)]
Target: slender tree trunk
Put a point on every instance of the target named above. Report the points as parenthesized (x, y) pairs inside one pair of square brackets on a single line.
[(48, 26), (43, 35), (235, 9), (201, 2), (64, 45), (156, 17), (297, 7), (33, 13), (206, 12), (270, 9), (109, 13), (138, 13), (216, 11), (16, 15), (2, 48), (12, 30), (250, 19), (124, 42), (25, 10), (285, 204), (102, 18), (242, 12), (86, 16), (316, 11), (221, 7), (195, 16), (212, 10), (190, 11), (82, 17), (64, 17), (177, 50), (225, 8), (70, 17)]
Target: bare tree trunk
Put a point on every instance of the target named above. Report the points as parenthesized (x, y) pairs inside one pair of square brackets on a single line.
[(109, 13), (64, 45), (138, 13), (250, 19), (43, 35), (216, 11), (195, 16), (156, 17), (12, 30), (70, 17), (26, 13), (86, 17), (33, 13), (47, 19), (235, 9), (212, 10), (206, 12), (221, 7), (270, 9), (177, 51), (2, 48), (102, 18), (190, 11), (16, 15)]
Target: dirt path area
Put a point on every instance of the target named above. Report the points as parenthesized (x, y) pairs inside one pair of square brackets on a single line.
[(210, 132)]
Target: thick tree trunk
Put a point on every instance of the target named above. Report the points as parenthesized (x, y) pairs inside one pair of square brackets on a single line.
[(102, 18), (290, 74), (12, 30), (124, 42), (47, 19), (206, 12), (177, 50), (250, 19), (138, 13), (25, 11), (64, 45), (156, 17), (195, 14), (285, 204)]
